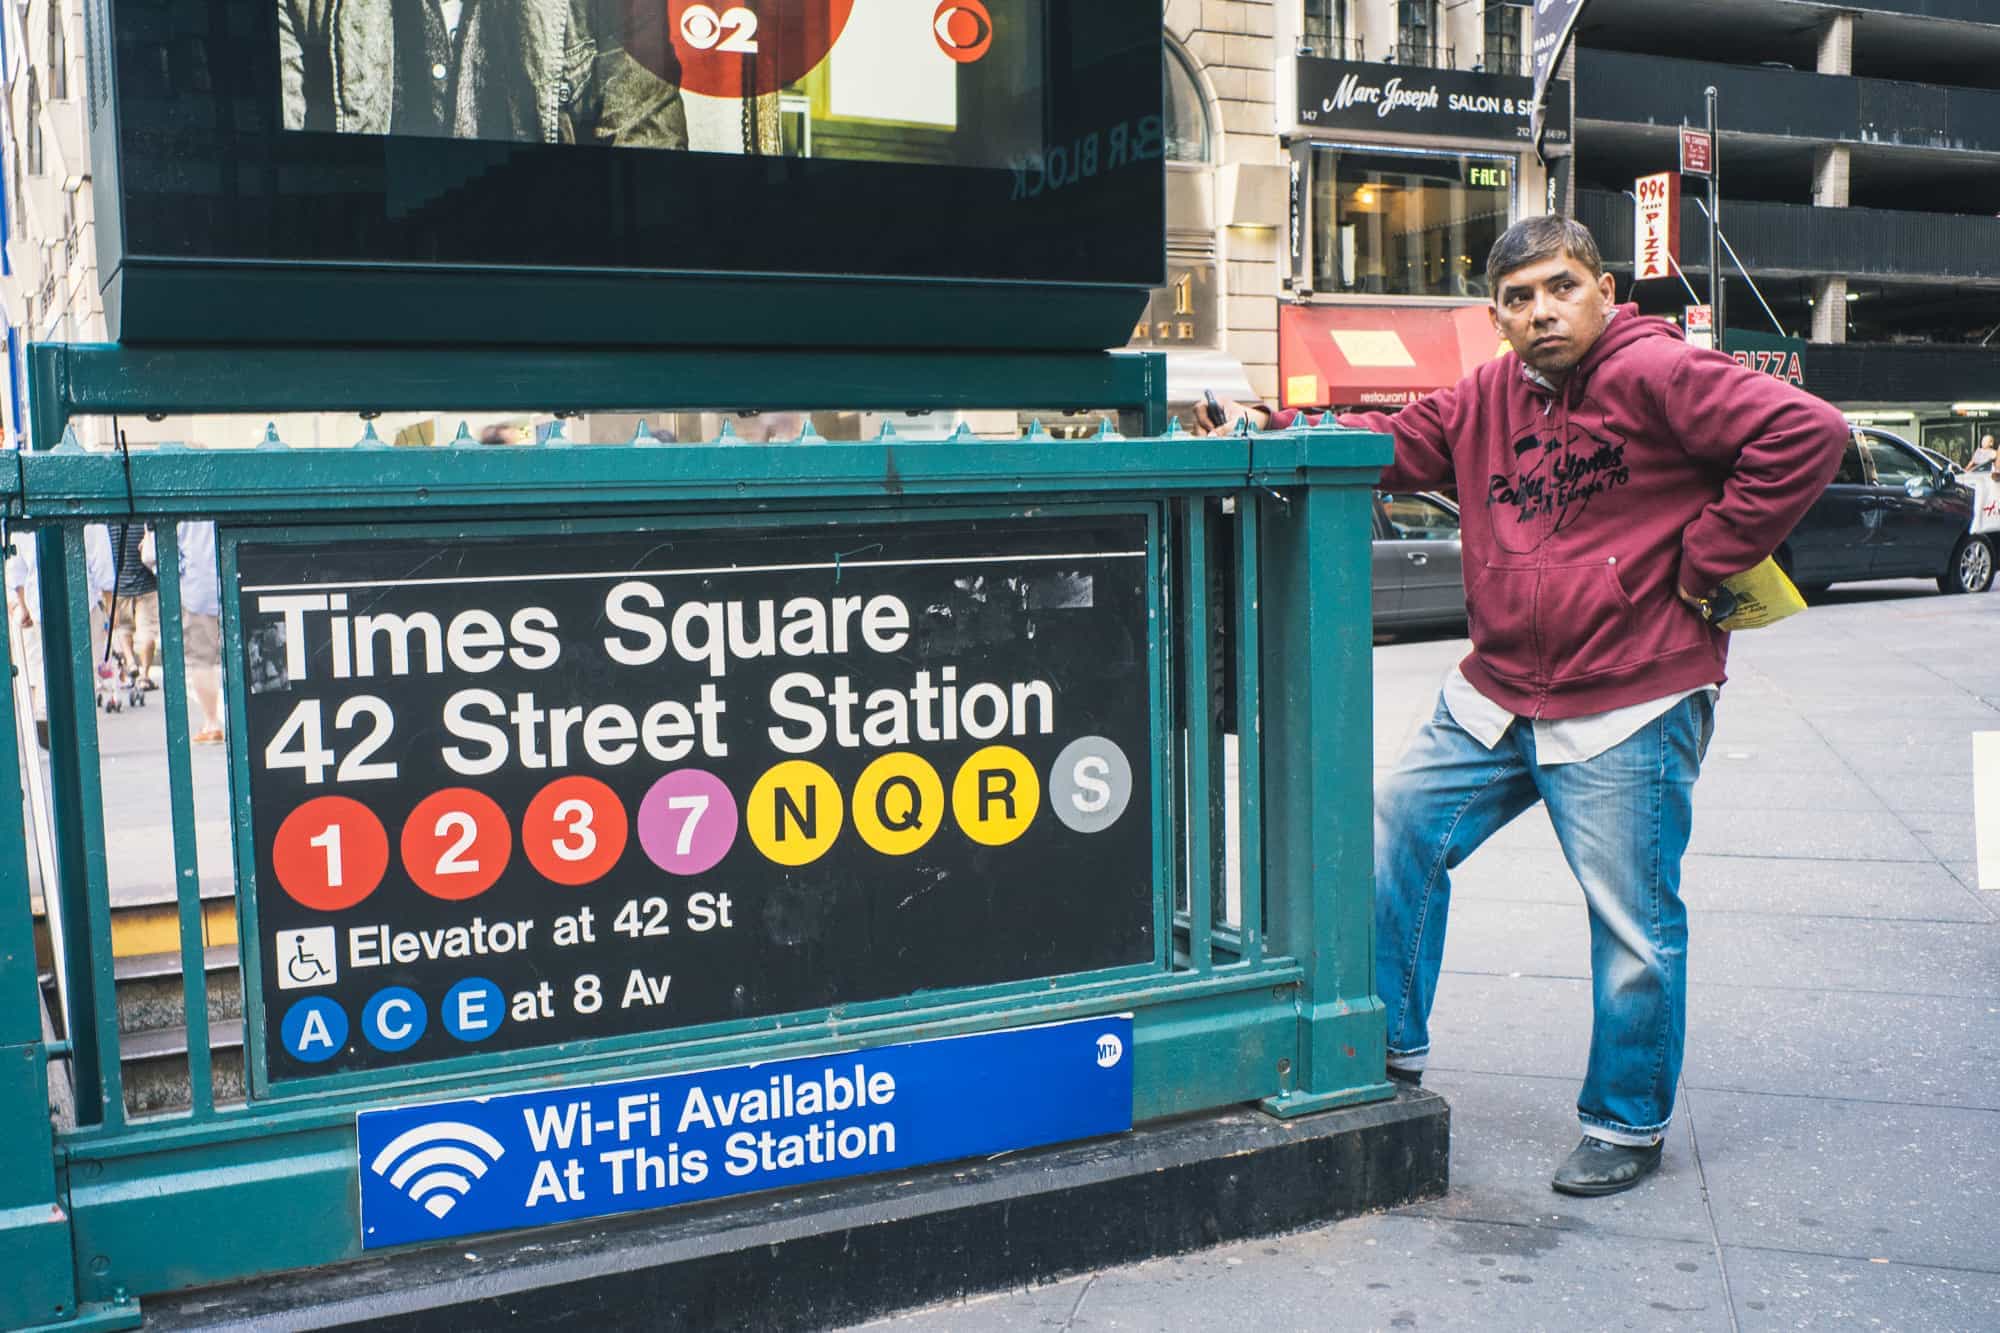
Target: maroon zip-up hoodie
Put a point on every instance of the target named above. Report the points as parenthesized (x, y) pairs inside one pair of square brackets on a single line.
[(1581, 508)]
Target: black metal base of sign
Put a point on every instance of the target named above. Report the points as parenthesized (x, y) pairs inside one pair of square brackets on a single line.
[(818, 1257)]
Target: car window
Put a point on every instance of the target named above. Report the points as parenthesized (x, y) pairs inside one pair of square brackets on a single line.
[(1894, 465), (1413, 518), (1850, 473)]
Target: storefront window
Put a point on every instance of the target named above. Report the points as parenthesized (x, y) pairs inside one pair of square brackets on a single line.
[(1187, 114), (1407, 224)]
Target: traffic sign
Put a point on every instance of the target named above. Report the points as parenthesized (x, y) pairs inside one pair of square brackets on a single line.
[(1700, 324), (1697, 152)]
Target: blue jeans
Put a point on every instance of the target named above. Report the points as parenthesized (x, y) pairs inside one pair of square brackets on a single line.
[(1623, 819)]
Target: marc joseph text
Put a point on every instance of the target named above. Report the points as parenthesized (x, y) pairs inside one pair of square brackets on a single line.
[(635, 1144), (485, 730)]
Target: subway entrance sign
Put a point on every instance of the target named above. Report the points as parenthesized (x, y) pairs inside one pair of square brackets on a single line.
[(509, 790)]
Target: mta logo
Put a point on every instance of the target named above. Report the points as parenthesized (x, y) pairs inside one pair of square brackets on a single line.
[(436, 1164)]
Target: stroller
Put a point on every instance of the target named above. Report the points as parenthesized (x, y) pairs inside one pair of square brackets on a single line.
[(118, 684)]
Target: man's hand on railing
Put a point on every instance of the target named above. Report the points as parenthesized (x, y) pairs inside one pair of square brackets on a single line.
[(1218, 416)]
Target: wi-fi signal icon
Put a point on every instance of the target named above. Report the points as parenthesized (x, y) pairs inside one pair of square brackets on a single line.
[(436, 1164)]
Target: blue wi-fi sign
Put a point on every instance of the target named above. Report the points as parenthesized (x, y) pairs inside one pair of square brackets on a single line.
[(535, 1158)]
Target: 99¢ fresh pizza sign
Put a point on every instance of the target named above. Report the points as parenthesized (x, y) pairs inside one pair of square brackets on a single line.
[(508, 792)]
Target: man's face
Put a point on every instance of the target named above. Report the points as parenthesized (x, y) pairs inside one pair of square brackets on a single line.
[(1551, 311)]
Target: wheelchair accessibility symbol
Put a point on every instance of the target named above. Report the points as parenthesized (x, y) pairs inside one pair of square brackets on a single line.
[(307, 958)]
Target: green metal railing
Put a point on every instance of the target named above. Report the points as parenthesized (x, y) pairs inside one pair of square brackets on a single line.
[(1261, 570)]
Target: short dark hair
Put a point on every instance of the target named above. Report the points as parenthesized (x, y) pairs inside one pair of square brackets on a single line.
[(1531, 240)]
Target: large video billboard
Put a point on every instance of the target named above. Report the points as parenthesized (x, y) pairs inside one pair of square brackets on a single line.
[(917, 81), (1014, 142)]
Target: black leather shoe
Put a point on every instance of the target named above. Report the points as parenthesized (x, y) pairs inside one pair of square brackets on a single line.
[(1597, 1167), (1413, 1077)]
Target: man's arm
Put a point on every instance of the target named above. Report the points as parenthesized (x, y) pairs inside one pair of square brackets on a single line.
[(1779, 446), (622, 101), (1423, 443), (1423, 446), (291, 67)]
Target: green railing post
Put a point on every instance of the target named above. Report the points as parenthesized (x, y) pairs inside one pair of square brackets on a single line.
[(34, 1226), (68, 682), (1318, 754)]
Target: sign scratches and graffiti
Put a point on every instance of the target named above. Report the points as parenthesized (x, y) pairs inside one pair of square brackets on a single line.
[(514, 791)]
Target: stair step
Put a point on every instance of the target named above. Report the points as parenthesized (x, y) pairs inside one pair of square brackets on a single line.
[(147, 966), (152, 928), (171, 1043)]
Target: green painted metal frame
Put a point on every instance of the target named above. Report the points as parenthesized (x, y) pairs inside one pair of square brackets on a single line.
[(40, 1284), (109, 378), (1278, 1007)]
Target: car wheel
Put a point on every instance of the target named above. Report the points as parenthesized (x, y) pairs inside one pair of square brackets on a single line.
[(1971, 567)]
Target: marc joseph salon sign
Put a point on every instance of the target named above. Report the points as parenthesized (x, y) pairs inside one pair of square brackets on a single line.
[(1343, 94)]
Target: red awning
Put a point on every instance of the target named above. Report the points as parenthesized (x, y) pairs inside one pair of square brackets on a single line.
[(1378, 355)]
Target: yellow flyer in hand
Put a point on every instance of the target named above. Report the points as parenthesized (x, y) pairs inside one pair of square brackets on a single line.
[(1764, 596)]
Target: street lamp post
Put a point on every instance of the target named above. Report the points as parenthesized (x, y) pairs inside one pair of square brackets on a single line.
[(1715, 225)]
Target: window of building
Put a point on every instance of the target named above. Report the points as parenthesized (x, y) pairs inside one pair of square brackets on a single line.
[(1324, 31), (1187, 136), (58, 53), (1417, 34), (1503, 37), (34, 134), (1405, 224)]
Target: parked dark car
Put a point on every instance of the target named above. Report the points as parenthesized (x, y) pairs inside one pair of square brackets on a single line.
[(1419, 573), (1890, 513)]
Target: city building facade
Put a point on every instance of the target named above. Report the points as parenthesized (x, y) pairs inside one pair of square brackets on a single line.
[(1406, 134), (48, 277), (1860, 181), (1217, 316)]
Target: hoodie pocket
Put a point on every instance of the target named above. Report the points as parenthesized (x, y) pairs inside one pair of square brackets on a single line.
[(1501, 609), (1534, 625), (1587, 622)]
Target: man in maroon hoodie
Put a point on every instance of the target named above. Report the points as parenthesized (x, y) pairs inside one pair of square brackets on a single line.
[(1610, 477)]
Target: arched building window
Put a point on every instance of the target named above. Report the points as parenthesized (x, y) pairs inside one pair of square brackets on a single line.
[(58, 53), (34, 127), (1187, 137)]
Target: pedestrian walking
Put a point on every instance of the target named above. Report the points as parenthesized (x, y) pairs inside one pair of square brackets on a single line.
[(135, 604), (1610, 477), (24, 610), (201, 626)]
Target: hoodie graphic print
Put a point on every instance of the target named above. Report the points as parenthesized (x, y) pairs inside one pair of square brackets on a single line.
[(1654, 466)]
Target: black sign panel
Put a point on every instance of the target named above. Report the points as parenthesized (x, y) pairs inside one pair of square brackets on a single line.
[(1408, 99), (513, 791)]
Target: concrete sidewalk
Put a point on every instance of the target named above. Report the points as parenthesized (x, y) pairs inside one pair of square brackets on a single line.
[(1835, 1160)]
